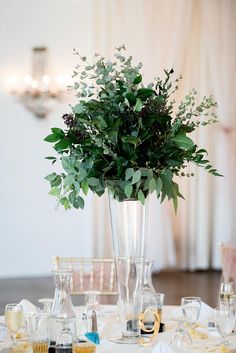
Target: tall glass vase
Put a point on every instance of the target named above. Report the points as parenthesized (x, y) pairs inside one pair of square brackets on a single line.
[(128, 221)]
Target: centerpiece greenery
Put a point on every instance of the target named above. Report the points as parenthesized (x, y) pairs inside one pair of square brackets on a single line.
[(122, 135)]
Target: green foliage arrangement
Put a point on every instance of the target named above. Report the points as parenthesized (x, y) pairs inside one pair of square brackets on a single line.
[(123, 135)]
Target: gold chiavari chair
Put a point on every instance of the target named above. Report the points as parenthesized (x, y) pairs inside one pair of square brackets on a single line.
[(228, 262), (89, 274)]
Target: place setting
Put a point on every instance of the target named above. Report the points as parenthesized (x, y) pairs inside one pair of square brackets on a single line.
[(149, 326)]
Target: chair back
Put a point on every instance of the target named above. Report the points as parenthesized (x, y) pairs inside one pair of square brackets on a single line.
[(89, 274), (228, 261)]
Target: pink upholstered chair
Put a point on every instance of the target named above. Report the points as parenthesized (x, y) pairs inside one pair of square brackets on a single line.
[(89, 274), (228, 260)]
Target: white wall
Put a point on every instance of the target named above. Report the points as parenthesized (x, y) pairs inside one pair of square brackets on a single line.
[(31, 230)]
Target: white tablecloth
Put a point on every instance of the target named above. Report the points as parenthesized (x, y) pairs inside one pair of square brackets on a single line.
[(111, 329)]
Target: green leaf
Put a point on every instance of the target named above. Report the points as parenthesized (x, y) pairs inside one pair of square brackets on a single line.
[(65, 202), (141, 197), (166, 178), (145, 93), (131, 98), (146, 184), (62, 145), (183, 142), (175, 203), (56, 182), (152, 185), (69, 180), (129, 173), (78, 108), (52, 138), (77, 187), (82, 174), (146, 172), (55, 191), (201, 151), (136, 177), (128, 190), (101, 123), (51, 177), (137, 80), (158, 186), (85, 186), (138, 106), (72, 199), (76, 201), (51, 158), (93, 181), (66, 164), (130, 139), (58, 132), (80, 202)]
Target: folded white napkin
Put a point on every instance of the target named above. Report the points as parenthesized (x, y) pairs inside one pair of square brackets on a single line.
[(4, 336), (27, 306), (205, 314), (162, 347)]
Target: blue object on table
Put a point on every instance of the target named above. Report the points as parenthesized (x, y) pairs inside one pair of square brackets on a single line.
[(93, 337)]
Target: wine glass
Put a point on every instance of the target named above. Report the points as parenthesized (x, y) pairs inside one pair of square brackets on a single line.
[(224, 319), (191, 307), (14, 319), (226, 291)]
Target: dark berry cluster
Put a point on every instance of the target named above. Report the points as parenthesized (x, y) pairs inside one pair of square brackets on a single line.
[(69, 120)]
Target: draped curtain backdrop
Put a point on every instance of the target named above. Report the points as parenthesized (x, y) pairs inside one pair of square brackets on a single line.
[(197, 38)]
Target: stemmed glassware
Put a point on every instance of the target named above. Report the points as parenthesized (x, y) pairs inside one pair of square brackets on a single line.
[(226, 291), (191, 307), (14, 319), (181, 340), (224, 319)]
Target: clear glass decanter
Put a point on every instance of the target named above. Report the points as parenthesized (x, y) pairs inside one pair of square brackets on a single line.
[(62, 307)]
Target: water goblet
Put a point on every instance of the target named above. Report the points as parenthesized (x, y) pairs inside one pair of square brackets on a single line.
[(224, 319), (191, 307), (14, 319)]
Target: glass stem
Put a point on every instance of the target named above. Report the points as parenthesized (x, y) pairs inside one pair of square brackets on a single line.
[(14, 334)]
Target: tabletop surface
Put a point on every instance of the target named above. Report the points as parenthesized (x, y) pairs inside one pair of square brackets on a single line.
[(203, 340)]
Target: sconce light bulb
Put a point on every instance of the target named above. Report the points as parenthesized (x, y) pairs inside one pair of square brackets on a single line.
[(13, 80), (46, 79), (34, 84), (27, 79)]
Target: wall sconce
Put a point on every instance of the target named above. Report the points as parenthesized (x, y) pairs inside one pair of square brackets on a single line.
[(40, 92)]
